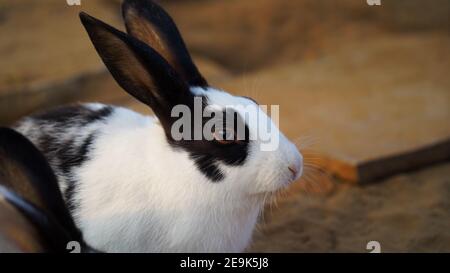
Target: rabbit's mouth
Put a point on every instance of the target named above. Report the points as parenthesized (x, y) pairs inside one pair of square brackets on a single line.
[(270, 198), (281, 189)]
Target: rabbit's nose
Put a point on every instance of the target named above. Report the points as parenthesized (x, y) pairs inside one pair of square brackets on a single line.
[(294, 170), (296, 167)]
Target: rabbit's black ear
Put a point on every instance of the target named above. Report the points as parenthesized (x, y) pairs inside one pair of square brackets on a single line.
[(26, 228), (25, 171), (149, 23), (139, 69), (17, 233)]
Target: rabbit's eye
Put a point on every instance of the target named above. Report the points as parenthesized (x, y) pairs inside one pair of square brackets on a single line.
[(225, 136)]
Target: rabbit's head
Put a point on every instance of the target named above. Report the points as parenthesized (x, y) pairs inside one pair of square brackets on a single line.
[(232, 141)]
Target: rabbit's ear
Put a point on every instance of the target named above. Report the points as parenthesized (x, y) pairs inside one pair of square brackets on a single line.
[(26, 228), (139, 69), (17, 233), (25, 171), (149, 23)]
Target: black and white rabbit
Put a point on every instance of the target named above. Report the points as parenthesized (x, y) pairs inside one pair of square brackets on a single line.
[(33, 215), (130, 185)]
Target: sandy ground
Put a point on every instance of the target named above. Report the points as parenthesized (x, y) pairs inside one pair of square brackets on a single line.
[(46, 42), (270, 45), (405, 213)]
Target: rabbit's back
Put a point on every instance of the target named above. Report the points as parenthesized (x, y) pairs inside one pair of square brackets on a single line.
[(66, 135)]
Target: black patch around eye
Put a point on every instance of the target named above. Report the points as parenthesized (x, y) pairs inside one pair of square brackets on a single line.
[(207, 154)]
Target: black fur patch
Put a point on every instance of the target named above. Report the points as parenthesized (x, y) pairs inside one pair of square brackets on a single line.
[(72, 153), (67, 156), (71, 156), (207, 165), (80, 114), (70, 159)]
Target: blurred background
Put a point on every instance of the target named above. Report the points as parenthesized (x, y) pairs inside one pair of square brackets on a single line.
[(363, 90)]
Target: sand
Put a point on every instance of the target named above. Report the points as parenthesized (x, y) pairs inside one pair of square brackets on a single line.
[(405, 213)]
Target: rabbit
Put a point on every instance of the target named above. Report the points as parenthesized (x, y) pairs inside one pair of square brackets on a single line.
[(33, 215), (130, 185)]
